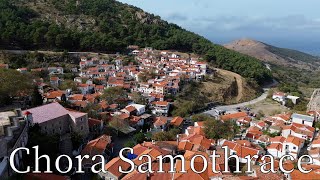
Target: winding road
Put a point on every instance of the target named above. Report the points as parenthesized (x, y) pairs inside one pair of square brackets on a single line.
[(232, 107)]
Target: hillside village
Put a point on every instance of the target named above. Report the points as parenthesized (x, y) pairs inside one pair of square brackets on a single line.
[(118, 103)]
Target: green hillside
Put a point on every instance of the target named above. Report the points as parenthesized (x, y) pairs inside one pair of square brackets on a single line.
[(108, 26), (293, 55)]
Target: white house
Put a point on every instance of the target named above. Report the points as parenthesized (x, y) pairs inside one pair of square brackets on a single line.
[(141, 109), (299, 130), (275, 148), (135, 52), (279, 96), (294, 99), (292, 146), (161, 107), (302, 119), (314, 151)]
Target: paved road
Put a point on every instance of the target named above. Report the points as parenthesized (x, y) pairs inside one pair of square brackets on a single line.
[(234, 106)]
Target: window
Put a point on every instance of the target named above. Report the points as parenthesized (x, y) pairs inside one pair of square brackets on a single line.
[(81, 128), (294, 148)]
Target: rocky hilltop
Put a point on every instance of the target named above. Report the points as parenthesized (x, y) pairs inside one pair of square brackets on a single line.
[(274, 55)]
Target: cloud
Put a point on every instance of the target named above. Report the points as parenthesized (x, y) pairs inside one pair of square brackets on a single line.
[(297, 23), (292, 31)]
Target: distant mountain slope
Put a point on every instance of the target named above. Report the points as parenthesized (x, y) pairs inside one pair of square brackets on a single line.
[(108, 26), (275, 55)]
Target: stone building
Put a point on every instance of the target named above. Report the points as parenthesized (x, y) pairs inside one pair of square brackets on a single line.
[(55, 119), (13, 135)]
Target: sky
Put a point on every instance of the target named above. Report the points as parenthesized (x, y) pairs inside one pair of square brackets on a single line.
[(285, 23)]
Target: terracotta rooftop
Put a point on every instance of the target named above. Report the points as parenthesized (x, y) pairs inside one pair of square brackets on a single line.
[(113, 166), (185, 145), (177, 121), (233, 116), (96, 147), (160, 121)]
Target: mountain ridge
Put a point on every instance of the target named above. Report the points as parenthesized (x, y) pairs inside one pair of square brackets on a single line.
[(275, 55), (109, 26)]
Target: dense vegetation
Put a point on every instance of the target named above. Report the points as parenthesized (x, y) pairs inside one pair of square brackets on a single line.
[(116, 25), (296, 76), (189, 100), (217, 129), (13, 83), (292, 55)]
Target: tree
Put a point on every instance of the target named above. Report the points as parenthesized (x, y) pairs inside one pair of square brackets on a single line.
[(160, 136), (183, 108), (218, 129), (138, 98), (118, 124), (129, 144), (139, 137), (13, 84), (202, 117), (210, 56), (115, 95), (68, 84), (76, 139), (170, 135), (37, 99)]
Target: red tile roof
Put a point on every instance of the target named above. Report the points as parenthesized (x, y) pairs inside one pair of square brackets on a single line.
[(113, 166), (185, 145), (294, 140), (130, 109), (177, 121), (54, 94), (233, 116), (96, 147), (93, 122), (161, 103), (160, 121)]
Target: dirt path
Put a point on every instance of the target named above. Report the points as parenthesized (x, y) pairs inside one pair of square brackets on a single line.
[(238, 79)]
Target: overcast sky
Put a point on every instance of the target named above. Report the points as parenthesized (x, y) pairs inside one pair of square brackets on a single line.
[(285, 23)]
